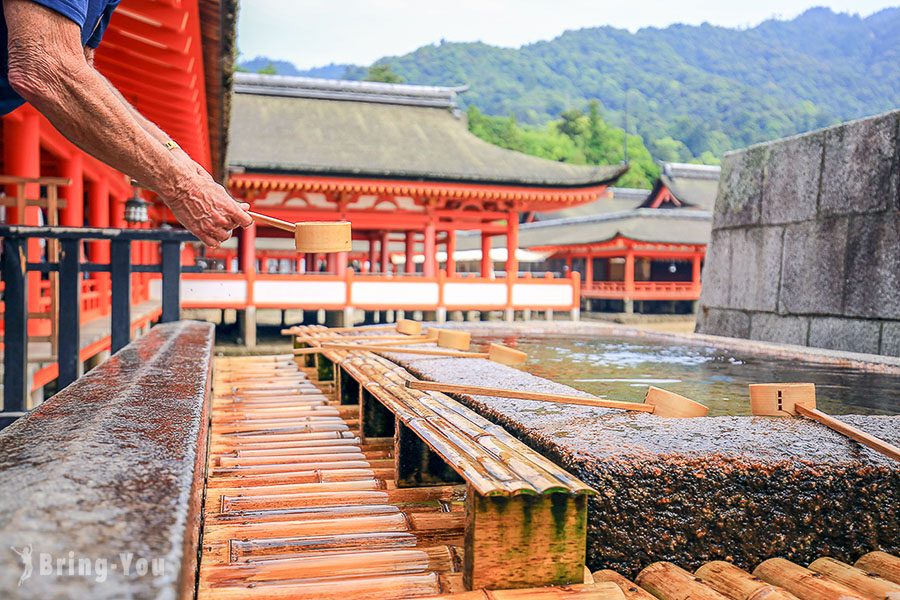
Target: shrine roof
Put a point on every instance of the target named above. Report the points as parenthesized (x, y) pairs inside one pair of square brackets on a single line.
[(306, 126)]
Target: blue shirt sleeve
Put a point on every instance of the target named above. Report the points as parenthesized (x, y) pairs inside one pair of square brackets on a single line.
[(102, 24), (73, 9)]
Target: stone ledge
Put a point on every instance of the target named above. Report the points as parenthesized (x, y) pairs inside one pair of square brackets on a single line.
[(112, 465)]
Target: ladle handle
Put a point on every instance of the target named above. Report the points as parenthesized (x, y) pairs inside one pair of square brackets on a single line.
[(889, 450), (285, 225), (455, 388)]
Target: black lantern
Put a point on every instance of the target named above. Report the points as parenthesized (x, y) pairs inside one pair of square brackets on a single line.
[(136, 207)]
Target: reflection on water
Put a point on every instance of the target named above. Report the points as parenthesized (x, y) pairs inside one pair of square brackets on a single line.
[(622, 368)]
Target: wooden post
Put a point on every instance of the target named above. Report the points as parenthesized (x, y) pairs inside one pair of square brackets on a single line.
[(429, 269), (373, 255), (410, 266), (487, 267), (385, 252), (247, 254), (512, 243), (340, 263), (588, 271), (451, 250), (99, 251), (22, 158), (524, 541), (73, 214)]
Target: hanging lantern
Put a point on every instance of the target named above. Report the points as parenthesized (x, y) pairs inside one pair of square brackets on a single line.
[(136, 207)]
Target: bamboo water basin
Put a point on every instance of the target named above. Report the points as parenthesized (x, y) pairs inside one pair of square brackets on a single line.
[(303, 502)]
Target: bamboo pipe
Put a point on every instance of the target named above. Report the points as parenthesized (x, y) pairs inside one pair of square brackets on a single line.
[(660, 402), (801, 582), (496, 352), (886, 566), (630, 590), (444, 338), (791, 399), (404, 326), (738, 584), (668, 581), (453, 388), (312, 236), (867, 584)]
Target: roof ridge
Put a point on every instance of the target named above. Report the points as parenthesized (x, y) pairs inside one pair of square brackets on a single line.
[(345, 89), (650, 213)]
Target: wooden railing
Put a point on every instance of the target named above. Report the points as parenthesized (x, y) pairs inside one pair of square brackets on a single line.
[(642, 290), (378, 292)]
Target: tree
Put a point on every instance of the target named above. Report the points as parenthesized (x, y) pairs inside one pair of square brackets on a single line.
[(572, 123), (383, 73), (269, 69)]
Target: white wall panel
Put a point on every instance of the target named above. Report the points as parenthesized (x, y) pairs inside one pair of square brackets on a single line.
[(206, 290), (391, 294), (298, 293), (542, 294), (474, 294)]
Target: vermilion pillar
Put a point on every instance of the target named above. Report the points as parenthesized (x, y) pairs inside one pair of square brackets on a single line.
[(588, 271), (629, 271), (73, 169), (340, 263), (410, 252), (373, 255), (429, 269), (331, 263), (22, 158), (487, 267), (451, 250), (629, 281), (512, 243), (385, 253), (247, 257), (98, 251)]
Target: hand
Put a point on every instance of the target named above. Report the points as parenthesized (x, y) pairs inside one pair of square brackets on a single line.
[(205, 207)]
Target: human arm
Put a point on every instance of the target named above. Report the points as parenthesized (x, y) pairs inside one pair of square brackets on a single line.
[(148, 125), (48, 68)]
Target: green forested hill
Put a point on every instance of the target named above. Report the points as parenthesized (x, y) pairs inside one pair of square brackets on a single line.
[(710, 88)]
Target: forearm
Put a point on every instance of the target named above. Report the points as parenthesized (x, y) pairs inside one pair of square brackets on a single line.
[(148, 125), (74, 103)]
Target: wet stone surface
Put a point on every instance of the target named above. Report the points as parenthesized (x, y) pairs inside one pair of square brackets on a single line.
[(693, 490), (109, 473)]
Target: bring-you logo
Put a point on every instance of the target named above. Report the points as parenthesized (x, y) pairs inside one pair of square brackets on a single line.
[(70, 564)]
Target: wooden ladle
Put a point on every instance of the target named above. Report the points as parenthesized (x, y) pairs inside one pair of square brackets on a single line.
[(312, 236), (793, 399)]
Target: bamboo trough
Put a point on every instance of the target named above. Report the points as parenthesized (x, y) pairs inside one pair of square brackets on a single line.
[(355, 485)]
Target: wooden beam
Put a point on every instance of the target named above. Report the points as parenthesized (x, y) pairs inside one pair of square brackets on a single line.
[(524, 541)]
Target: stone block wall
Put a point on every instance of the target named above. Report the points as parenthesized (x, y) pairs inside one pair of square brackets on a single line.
[(805, 245)]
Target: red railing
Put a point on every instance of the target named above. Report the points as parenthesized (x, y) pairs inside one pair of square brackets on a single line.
[(642, 290)]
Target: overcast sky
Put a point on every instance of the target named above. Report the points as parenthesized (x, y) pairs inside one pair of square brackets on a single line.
[(312, 33)]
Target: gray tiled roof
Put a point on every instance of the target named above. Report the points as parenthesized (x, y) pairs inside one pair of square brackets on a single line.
[(618, 200), (361, 129), (643, 225)]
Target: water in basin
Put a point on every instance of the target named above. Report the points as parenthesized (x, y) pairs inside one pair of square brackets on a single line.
[(622, 368)]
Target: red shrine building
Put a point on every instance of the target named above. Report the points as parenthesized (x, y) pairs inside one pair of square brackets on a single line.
[(635, 250), (399, 163)]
